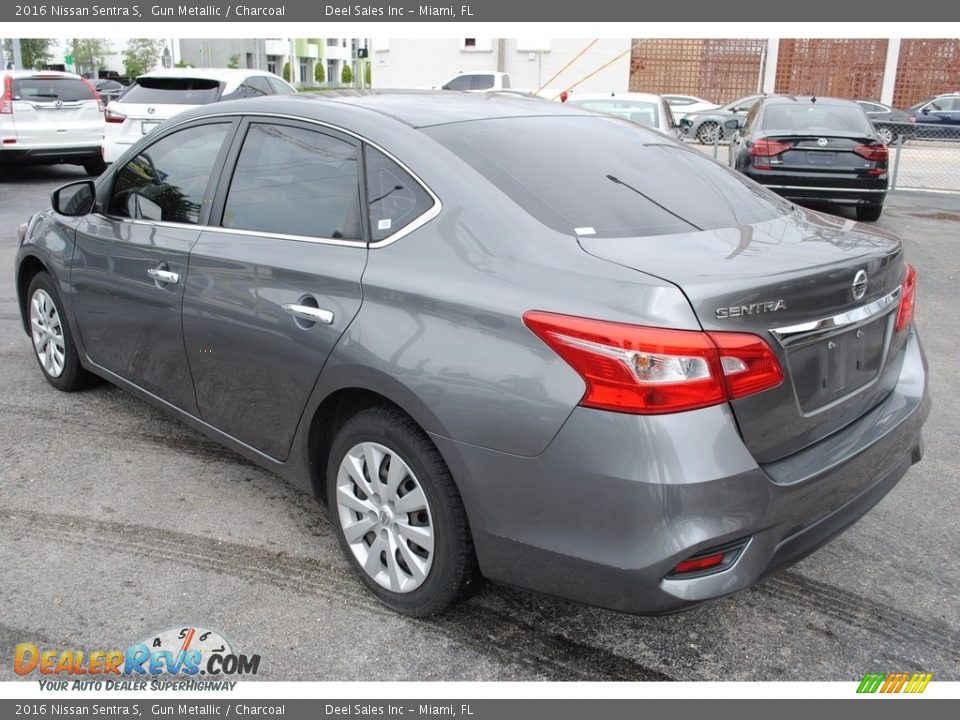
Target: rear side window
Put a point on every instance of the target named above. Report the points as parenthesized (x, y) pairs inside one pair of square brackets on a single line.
[(814, 118), (601, 177), (280, 87), (394, 198), (51, 89), (640, 112), (294, 181), (254, 86), (167, 181), (173, 91)]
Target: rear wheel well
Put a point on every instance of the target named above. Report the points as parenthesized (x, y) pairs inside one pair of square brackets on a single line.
[(329, 417), (28, 270)]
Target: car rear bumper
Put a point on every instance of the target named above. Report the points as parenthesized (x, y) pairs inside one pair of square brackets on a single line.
[(616, 501), (49, 155), (842, 191)]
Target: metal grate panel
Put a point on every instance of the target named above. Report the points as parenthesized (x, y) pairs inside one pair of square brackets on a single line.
[(926, 68), (832, 68), (716, 70)]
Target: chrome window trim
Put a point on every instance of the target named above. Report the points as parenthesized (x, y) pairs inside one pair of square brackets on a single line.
[(410, 227), (791, 335), (828, 189)]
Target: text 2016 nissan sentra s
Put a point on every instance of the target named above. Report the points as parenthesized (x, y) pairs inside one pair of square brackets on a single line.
[(498, 337)]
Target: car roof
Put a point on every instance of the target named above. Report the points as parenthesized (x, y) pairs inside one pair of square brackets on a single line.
[(809, 100), (39, 73), (423, 108), (646, 97)]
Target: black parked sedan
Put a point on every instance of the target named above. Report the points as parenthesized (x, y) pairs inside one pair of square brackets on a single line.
[(889, 122), (814, 149)]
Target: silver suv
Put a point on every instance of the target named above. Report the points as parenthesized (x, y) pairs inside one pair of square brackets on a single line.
[(49, 117)]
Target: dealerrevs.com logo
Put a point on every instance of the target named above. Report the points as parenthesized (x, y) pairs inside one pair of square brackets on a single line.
[(198, 658)]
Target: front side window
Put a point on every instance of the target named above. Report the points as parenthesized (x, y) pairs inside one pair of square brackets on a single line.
[(294, 181), (168, 179), (394, 199), (639, 111), (464, 82)]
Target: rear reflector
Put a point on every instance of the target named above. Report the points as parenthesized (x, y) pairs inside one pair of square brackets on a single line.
[(9, 141), (647, 370), (768, 148), (708, 561), (908, 297), (874, 153), (698, 564)]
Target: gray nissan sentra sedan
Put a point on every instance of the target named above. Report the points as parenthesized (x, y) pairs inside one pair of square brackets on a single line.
[(496, 336)]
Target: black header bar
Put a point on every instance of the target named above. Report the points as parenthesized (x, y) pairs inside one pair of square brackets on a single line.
[(536, 11)]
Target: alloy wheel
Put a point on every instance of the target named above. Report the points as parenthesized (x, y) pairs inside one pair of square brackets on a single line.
[(47, 333), (385, 517)]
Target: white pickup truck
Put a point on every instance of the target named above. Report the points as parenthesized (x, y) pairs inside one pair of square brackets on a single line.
[(484, 81), (478, 82)]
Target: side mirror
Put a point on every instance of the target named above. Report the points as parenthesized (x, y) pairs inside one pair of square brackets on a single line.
[(74, 199), (925, 111), (733, 124)]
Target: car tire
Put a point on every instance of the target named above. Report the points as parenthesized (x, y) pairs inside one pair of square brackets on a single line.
[(53, 344), (869, 213), (886, 135), (413, 579), (95, 168), (707, 133)]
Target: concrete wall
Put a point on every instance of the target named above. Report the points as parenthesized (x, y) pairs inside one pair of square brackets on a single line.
[(426, 63)]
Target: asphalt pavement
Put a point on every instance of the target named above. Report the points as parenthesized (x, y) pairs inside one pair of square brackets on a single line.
[(117, 521)]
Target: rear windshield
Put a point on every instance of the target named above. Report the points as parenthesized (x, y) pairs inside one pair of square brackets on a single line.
[(814, 119), (602, 177), (50, 89), (173, 91)]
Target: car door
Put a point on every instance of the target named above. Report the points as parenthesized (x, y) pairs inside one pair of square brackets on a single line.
[(130, 262), (273, 286)]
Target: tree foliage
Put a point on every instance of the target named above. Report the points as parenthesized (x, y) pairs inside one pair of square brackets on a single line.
[(367, 75), (346, 76), (34, 52), (286, 72), (91, 51), (141, 55), (234, 62), (319, 74)]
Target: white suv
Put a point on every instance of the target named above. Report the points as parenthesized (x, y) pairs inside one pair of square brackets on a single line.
[(49, 117), (158, 96)]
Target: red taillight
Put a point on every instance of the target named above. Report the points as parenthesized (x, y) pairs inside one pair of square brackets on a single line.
[(6, 102), (112, 116), (874, 153), (698, 564), (646, 370), (908, 297), (96, 94), (768, 148)]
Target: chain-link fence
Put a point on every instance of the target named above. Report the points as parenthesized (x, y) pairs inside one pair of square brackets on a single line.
[(923, 156)]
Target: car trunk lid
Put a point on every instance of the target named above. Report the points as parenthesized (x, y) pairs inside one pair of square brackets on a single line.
[(796, 281)]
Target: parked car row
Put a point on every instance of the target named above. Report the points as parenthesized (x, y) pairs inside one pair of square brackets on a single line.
[(51, 117), (934, 118)]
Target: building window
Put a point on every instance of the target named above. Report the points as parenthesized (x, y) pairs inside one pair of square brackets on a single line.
[(469, 42), (249, 60), (304, 70), (272, 64), (333, 42)]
